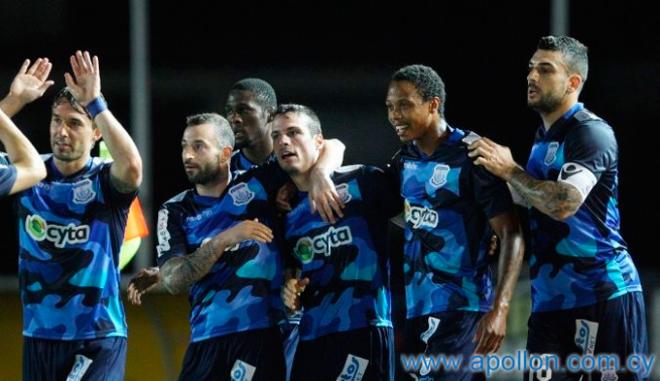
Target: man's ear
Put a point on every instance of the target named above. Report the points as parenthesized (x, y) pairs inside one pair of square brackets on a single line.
[(96, 136), (434, 104), (574, 83), (226, 153), (319, 141)]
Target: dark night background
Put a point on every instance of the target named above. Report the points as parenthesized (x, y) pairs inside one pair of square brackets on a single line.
[(338, 59)]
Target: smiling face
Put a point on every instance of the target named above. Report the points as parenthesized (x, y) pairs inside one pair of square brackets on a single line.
[(248, 119), (408, 113), (295, 148), (72, 133), (201, 154)]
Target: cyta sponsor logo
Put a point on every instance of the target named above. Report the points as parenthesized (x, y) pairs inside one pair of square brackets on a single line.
[(419, 216), (60, 235), (323, 243)]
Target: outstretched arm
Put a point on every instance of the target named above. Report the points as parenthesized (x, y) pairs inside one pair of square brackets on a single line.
[(557, 199), (179, 273), (30, 169), (85, 84), (29, 84), (492, 327)]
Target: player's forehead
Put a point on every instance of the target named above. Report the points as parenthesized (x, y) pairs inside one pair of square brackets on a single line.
[(291, 121), (400, 90), (199, 132)]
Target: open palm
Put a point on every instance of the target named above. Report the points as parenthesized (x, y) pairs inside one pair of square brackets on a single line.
[(31, 82)]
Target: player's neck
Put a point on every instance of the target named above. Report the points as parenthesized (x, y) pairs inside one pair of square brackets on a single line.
[(68, 168), (215, 187), (302, 181), (259, 152), (549, 118), (434, 136)]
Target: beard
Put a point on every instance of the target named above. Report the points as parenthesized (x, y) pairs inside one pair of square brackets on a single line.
[(207, 173), (547, 103)]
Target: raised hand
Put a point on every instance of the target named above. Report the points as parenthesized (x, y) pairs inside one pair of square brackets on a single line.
[(31, 82), (86, 86)]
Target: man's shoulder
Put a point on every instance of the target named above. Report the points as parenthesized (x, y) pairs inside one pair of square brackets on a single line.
[(178, 199)]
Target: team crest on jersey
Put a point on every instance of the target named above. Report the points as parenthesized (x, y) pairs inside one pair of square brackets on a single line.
[(439, 177), (551, 153), (344, 193), (241, 194), (83, 192)]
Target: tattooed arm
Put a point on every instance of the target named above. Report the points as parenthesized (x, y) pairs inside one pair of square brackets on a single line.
[(179, 273), (558, 200)]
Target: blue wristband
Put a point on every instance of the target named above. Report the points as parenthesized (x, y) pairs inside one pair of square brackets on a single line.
[(96, 106)]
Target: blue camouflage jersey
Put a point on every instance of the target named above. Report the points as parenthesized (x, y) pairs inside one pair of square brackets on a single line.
[(240, 163), (448, 202), (70, 231), (242, 290), (7, 175), (346, 262), (583, 259)]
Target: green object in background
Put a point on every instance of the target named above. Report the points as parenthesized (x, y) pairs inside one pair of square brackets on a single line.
[(128, 250)]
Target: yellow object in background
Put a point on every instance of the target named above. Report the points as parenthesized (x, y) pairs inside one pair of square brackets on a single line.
[(136, 225)]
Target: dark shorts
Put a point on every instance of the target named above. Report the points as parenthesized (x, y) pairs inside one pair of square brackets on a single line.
[(359, 354), (97, 359), (247, 356), (447, 333), (616, 326)]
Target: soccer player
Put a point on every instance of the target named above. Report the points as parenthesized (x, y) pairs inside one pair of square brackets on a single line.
[(451, 205), (346, 328), (586, 293), (213, 242), (21, 167), (234, 286), (249, 106), (71, 226)]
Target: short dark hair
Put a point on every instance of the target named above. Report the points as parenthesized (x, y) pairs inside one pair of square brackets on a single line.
[(65, 95), (223, 131), (427, 82), (573, 51), (263, 91), (314, 125)]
